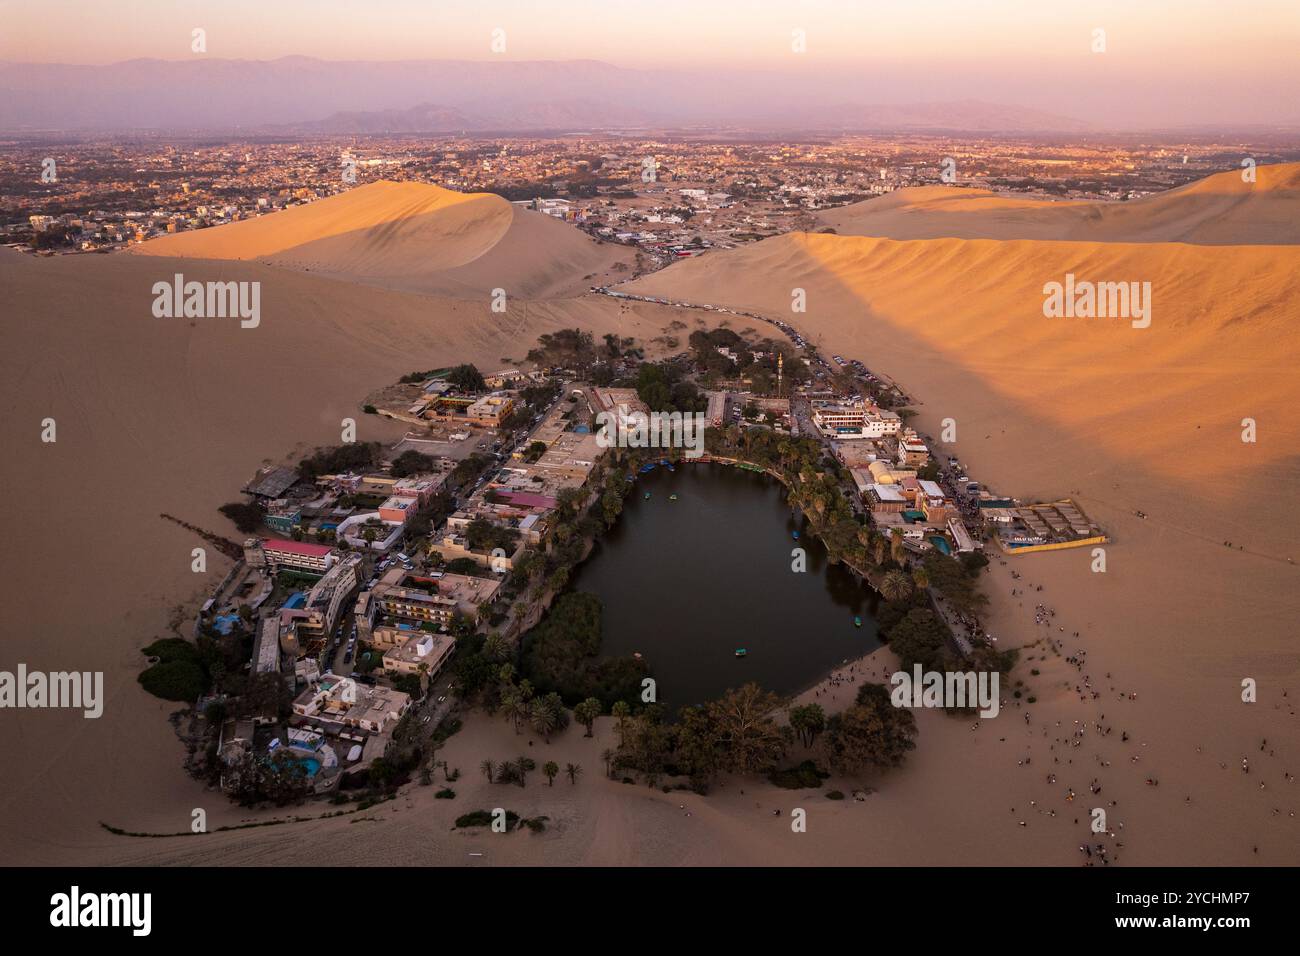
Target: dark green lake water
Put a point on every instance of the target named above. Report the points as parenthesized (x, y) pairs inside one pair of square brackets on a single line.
[(687, 582)]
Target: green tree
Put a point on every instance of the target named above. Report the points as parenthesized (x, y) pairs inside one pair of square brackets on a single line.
[(920, 638), (808, 721), (411, 462), (895, 586), (620, 712), (551, 769), (467, 378), (748, 735), (870, 733), (587, 712), (543, 718), (515, 707), (524, 765)]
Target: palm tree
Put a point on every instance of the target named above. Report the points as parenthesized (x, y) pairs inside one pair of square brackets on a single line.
[(621, 711), (495, 647), (543, 718), (587, 712), (573, 770), (895, 586), (516, 708), (607, 755), (896, 544), (551, 768), (524, 765), (488, 768), (921, 577)]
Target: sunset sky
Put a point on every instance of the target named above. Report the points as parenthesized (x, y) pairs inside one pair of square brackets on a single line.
[(1179, 61)]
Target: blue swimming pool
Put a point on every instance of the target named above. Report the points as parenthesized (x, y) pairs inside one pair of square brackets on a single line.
[(311, 763), (941, 544)]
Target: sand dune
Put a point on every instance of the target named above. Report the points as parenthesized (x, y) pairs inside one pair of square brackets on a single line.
[(173, 415), (1123, 419), (412, 237), (160, 415), (1224, 336), (1219, 210)]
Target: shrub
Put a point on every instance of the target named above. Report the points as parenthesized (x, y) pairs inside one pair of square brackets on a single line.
[(171, 649), (175, 680), (483, 818), (802, 777), (245, 516)]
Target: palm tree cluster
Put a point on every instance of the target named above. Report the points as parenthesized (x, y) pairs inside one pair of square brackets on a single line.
[(516, 771), (737, 733), (545, 714)]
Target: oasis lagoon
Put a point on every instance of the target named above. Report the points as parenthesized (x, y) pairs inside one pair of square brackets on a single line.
[(687, 582)]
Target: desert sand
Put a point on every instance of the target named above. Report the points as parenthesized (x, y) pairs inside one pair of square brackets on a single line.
[(173, 416), (1222, 209), (159, 415), (414, 237), (1122, 419)]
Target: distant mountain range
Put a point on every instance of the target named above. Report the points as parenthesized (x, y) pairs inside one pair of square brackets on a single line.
[(303, 94)]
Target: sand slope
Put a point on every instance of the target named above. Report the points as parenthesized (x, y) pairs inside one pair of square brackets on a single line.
[(1218, 210), (1224, 338), (158, 415), (410, 236), (173, 415), (1123, 419)]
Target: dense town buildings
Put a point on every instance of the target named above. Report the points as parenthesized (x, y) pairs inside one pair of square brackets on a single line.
[(669, 195)]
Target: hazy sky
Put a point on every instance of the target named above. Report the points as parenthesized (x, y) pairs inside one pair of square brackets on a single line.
[(1214, 61)]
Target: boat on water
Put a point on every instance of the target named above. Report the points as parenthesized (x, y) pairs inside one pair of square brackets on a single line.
[(857, 621), (673, 496), (741, 652), (647, 494)]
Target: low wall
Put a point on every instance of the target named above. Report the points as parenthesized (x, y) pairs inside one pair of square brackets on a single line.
[(1058, 546)]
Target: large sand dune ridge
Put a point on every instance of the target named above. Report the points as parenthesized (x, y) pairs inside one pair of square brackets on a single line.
[(414, 237), (1224, 209), (172, 415), (1198, 595)]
